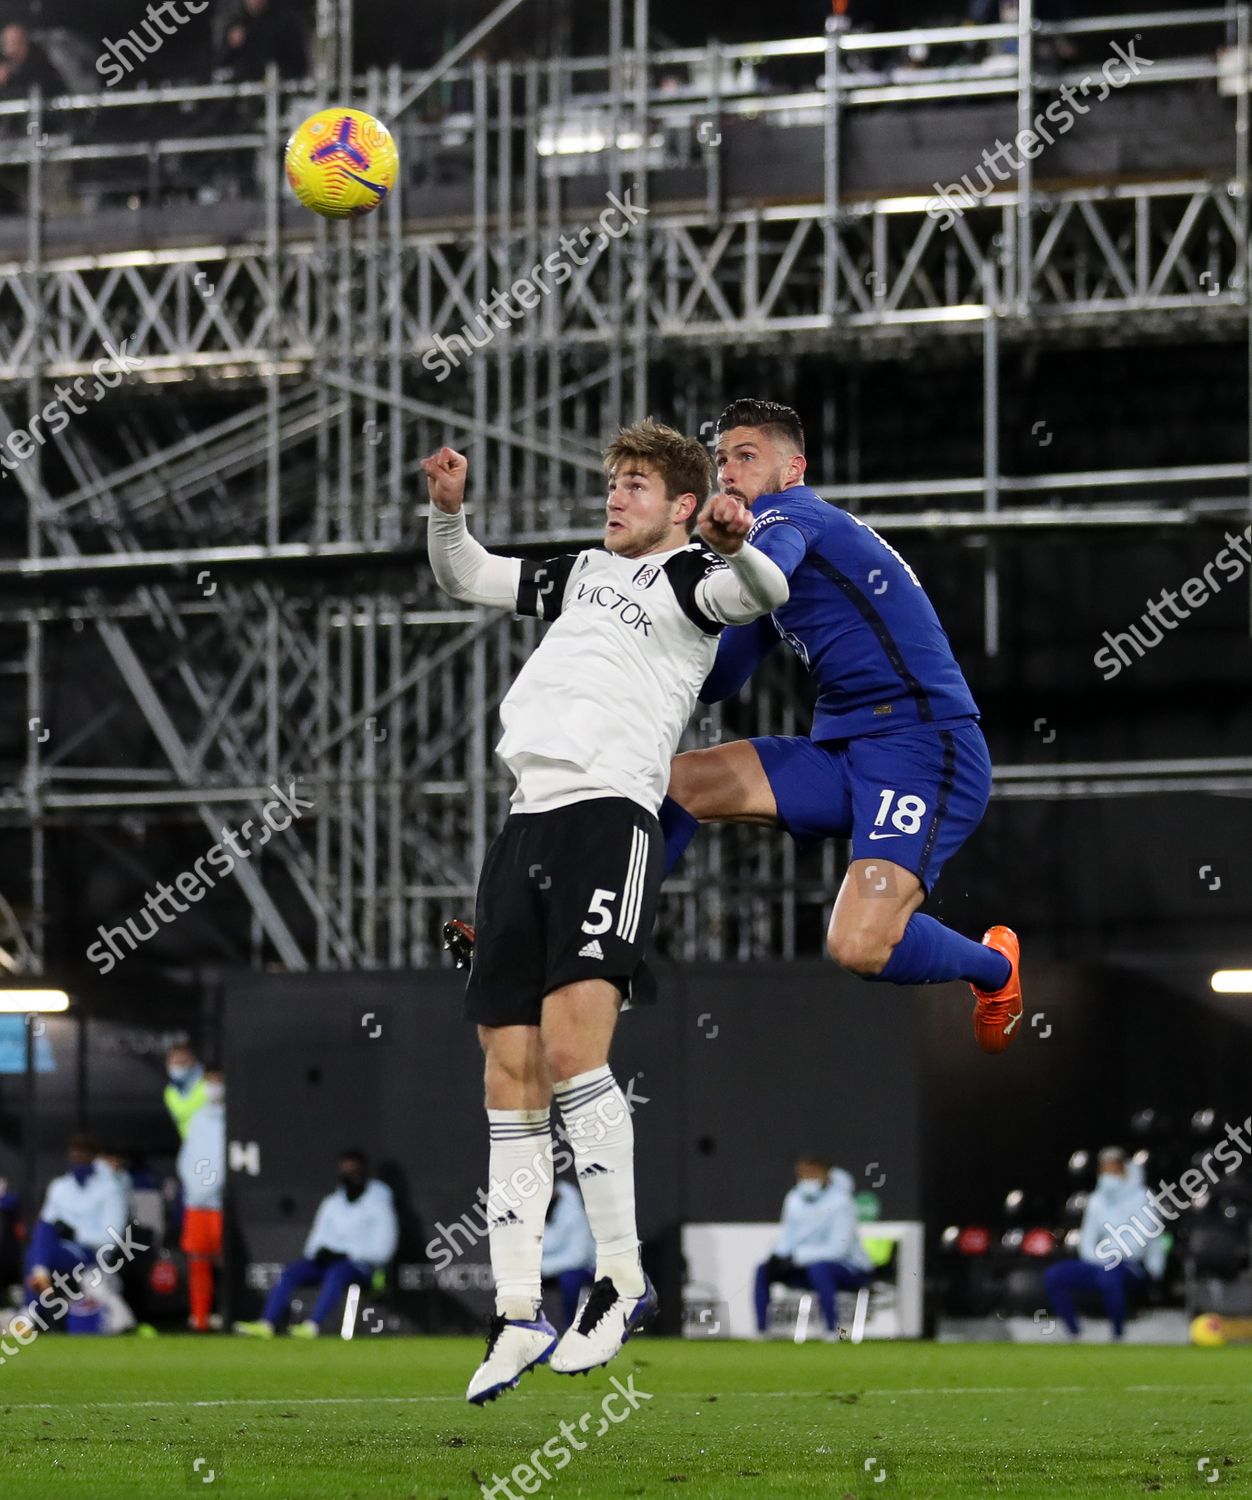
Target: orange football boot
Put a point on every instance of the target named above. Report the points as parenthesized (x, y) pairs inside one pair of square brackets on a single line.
[(998, 1013)]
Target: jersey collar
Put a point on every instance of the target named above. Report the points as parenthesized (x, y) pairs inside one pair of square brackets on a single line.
[(796, 492)]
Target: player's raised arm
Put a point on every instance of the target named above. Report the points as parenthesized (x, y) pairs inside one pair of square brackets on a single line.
[(466, 570), (463, 567), (750, 584)]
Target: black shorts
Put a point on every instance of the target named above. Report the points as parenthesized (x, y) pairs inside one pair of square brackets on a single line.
[(563, 895)]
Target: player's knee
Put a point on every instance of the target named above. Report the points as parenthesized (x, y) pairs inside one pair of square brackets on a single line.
[(858, 951), (567, 1059)]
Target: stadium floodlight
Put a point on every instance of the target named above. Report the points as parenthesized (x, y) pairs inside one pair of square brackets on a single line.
[(27, 1002), (1232, 982)]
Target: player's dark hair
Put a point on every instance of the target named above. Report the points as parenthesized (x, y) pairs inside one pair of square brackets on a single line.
[(352, 1154), (814, 1159), (682, 462), (778, 422), (83, 1141)]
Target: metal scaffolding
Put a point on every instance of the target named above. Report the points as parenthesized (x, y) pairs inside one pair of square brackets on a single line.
[(238, 521)]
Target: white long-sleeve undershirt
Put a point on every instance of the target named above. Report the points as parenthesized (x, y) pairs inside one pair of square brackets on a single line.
[(751, 584)]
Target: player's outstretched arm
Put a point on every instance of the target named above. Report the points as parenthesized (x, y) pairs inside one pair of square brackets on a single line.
[(462, 566), (751, 584), (740, 651)]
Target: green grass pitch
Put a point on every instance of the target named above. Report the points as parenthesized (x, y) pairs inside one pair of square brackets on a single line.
[(125, 1419)]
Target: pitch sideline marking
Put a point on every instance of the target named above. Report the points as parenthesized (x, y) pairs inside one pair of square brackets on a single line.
[(920, 1390)]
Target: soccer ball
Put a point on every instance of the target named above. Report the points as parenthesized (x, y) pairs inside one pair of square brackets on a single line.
[(1207, 1331), (342, 163)]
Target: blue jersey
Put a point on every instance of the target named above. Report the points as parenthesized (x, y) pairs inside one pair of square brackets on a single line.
[(857, 618)]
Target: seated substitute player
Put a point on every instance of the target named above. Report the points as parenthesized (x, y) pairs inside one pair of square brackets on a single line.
[(818, 1242), (567, 893), (1113, 1259), (354, 1234), (83, 1213), (895, 758)]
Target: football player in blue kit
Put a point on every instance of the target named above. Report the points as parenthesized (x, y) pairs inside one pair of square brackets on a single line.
[(895, 758)]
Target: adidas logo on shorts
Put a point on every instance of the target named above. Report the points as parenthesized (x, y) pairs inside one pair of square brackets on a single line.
[(591, 949), (594, 1170)]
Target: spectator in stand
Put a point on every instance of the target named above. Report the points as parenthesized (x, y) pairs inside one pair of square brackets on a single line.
[(184, 1093), (24, 64), (354, 1235), (259, 33), (202, 1171), (1112, 1258), (569, 1248), (819, 1246)]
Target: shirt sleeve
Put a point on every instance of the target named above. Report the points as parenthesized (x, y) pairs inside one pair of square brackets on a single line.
[(464, 568), (317, 1233), (541, 587), (379, 1233), (748, 585), (714, 591), (1090, 1235), (780, 539), (740, 652), (788, 1231)]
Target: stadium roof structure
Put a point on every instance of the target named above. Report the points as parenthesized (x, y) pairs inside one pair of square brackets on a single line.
[(237, 522)]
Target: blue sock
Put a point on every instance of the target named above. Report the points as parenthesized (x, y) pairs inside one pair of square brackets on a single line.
[(679, 828), (930, 953)]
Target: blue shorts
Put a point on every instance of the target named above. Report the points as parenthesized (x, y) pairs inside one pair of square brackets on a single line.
[(911, 796)]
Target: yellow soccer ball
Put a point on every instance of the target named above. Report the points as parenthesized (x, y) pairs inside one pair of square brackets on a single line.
[(342, 163), (1207, 1331)]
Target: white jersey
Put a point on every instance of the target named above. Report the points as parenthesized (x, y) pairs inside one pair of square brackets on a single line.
[(601, 704)]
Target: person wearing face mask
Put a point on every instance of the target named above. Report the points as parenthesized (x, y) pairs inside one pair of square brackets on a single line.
[(83, 1210), (354, 1234), (818, 1246), (1109, 1264), (184, 1093), (202, 1171)]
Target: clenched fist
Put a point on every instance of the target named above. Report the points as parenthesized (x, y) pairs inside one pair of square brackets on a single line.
[(445, 479), (723, 523)]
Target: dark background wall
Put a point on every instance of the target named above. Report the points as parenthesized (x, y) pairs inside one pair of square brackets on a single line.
[(737, 1069), (734, 1071)]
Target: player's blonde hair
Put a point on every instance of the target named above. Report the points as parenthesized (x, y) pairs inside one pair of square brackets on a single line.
[(682, 462)]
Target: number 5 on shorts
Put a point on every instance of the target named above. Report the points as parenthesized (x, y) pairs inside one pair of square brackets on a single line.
[(908, 814), (599, 909)]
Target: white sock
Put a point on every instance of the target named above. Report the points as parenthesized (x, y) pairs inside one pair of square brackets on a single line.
[(602, 1138), (516, 1205)]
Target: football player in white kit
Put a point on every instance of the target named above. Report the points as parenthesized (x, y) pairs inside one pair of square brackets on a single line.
[(568, 890)]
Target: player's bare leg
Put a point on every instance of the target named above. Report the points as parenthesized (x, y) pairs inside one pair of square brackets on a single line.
[(872, 910), (519, 1100), (577, 1027), (875, 904), (725, 784)]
